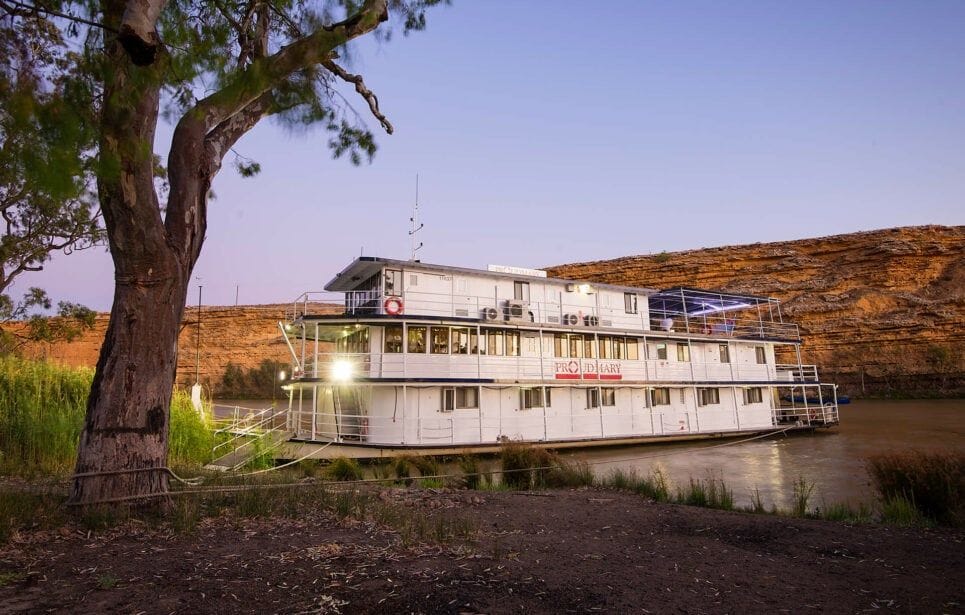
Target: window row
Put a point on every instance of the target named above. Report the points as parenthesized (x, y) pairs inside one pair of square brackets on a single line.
[(580, 345), (504, 342), (459, 398), (452, 340)]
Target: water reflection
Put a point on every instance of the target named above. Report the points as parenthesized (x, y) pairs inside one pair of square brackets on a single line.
[(834, 460)]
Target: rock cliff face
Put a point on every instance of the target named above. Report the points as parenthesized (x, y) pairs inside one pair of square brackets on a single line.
[(245, 335), (881, 310), (886, 308)]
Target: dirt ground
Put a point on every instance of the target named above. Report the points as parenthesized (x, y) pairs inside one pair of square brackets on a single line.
[(548, 552)]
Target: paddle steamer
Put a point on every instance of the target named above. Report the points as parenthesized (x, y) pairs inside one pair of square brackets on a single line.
[(408, 356)]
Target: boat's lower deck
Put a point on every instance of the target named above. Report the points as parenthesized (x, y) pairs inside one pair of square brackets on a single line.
[(439, 416)]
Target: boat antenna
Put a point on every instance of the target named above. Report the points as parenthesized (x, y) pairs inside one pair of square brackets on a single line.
[(414, 225)]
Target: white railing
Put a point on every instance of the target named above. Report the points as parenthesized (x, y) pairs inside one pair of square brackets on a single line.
[(818, 414), (548, 313), (350, 366), (797, 373)]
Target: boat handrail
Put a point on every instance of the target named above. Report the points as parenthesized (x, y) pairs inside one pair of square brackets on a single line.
[(546, 313)]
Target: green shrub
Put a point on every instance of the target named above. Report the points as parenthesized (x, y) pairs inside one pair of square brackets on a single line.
[(934, 483), (899, 510), (529, 467), (343, 468)]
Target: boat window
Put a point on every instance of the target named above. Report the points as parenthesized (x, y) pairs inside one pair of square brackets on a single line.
[(512, 343), (619, 348), (417, 340), (662, 352), (708, 397), (593, 398), (560, 347), (633, 349), (534, 397), (761, 355), (460, 340), (393, 282), (660, 397), (630, 303), (521, 291), (576, 346), (448, 399), (683, 353), (589, 347), (467, 397), (753, 395), (606, 347), (440, 340), (724, 353), (608, 397), (494, 342), (393, 338)]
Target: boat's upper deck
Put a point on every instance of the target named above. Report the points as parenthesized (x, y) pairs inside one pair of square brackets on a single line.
[(377, 287)]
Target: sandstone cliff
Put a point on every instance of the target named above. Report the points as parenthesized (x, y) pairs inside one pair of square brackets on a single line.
[(883, 308), (886, 307), (245, 335)]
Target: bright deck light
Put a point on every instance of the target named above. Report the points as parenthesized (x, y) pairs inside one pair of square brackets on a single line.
[(341, 370)]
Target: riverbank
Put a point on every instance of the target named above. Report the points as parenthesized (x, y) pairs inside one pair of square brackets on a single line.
[(394, 550)]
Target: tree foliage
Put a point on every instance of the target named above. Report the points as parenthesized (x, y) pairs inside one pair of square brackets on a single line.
[(47, 137)]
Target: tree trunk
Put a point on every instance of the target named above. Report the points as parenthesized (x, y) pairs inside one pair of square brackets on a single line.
[(125, 440)]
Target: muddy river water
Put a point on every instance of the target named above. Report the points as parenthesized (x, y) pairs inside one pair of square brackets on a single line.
[(834, 459)]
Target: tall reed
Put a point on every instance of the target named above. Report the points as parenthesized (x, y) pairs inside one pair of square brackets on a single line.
[(932, 483), (42, 409)]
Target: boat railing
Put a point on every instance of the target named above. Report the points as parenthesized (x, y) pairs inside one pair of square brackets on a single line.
[(469, 365), (492, 310), (797, 373), (821, 414), (240, 430)]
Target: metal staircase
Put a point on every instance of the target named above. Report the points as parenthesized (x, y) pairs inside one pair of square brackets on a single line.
[(249, 435)]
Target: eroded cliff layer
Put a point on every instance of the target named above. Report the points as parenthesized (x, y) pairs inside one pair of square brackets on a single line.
[(884, 307)]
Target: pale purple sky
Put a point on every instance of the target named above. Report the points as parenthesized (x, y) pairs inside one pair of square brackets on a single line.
[(546, 133)]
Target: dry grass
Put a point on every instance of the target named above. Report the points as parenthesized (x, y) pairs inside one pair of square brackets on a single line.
[(933, 484)]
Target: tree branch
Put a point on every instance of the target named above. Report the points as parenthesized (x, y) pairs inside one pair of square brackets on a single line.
[(363, 91), (18, 8)]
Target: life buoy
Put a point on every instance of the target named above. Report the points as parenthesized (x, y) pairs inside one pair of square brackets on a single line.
[(393, 306)]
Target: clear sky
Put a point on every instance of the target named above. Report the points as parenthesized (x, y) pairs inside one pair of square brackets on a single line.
[(552, 132)]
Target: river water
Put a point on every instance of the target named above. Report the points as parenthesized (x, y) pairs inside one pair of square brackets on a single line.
[(832, 459)]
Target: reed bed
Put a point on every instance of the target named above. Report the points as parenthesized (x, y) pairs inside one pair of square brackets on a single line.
[(914, 486), (42, 409)]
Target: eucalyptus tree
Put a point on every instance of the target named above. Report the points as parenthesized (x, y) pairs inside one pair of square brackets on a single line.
[(215, 69)]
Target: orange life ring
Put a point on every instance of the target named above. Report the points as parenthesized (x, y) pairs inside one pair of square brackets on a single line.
[(393, 306)]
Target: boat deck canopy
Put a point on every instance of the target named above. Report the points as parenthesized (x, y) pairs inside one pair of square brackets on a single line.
[(697, 302)]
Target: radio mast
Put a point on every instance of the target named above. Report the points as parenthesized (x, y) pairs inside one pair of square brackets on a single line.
[(414, 225)]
